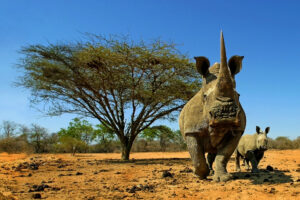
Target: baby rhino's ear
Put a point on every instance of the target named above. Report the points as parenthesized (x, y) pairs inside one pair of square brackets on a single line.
[(202, 65), (257, 129), (267, 130)]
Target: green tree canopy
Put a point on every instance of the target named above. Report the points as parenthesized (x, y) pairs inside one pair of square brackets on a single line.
[(126, 85), (79, 134), (162, 133)]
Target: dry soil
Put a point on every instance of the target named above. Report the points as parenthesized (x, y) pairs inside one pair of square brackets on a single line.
[(145, 176)]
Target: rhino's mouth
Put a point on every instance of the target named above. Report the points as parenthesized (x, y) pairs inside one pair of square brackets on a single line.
[(224, 114)]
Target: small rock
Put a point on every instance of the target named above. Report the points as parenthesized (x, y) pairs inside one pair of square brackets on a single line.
[(186, 170), (132, 189), (37, 196), (166, 174), (56, 188), (39, 188), (148, 187), (272, 190), (34, 166)]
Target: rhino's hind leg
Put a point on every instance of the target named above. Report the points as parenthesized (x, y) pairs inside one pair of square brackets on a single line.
[(197, 155), (210, 160), (237, 161), (225, 151)]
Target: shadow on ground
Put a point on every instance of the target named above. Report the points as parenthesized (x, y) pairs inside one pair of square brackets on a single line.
[(153, 161), (264, 176)]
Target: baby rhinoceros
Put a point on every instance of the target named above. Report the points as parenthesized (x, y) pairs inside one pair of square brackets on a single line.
[(252, 148)]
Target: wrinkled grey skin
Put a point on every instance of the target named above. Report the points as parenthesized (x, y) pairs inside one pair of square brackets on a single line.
[(252, 148), (214, 120)]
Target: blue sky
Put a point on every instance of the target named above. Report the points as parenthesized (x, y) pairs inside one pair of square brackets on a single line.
[(267, 33)]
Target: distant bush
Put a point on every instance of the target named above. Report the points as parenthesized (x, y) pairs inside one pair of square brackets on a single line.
[(142, 145), (284, 143), (296, 143), (15, 145), (106, 147)]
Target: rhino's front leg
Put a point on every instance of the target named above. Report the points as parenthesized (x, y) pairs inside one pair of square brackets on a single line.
[(246, 163), (259, 156), (251, 156), (225, 151), (197, 155)]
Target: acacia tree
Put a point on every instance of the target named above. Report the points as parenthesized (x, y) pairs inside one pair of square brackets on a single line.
[(9, 128), (37, 135), (126, 85)]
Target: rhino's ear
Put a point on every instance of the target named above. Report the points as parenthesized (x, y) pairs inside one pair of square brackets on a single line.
[(235, 64), (202, 65), (258, 129), (267, 130)]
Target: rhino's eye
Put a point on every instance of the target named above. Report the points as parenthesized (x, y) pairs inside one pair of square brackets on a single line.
[(204, 96)]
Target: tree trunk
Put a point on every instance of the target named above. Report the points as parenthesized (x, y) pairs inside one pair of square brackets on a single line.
[(125, 152), (126, 147)]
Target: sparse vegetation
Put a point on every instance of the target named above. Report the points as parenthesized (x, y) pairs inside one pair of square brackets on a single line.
[(284, 143), (82, 137)]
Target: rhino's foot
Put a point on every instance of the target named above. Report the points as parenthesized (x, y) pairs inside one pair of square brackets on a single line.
[(222, 177), (201, 174), (255, 170), (211, 172), (200, 177)]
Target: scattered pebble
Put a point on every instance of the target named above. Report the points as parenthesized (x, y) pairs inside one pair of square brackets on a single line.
[(272, 190), (167, 174), (186, 170), (37, 196)]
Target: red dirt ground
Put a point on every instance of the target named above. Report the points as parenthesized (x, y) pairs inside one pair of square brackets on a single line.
[(103, 176)]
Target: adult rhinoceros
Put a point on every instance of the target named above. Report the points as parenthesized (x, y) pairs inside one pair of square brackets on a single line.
[(213, 120)]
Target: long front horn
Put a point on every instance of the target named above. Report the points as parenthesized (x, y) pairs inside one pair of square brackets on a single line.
[(224, 82), (223, 51)]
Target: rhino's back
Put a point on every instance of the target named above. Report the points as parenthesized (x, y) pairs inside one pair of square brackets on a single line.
[(246, 143), (191, 116)]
